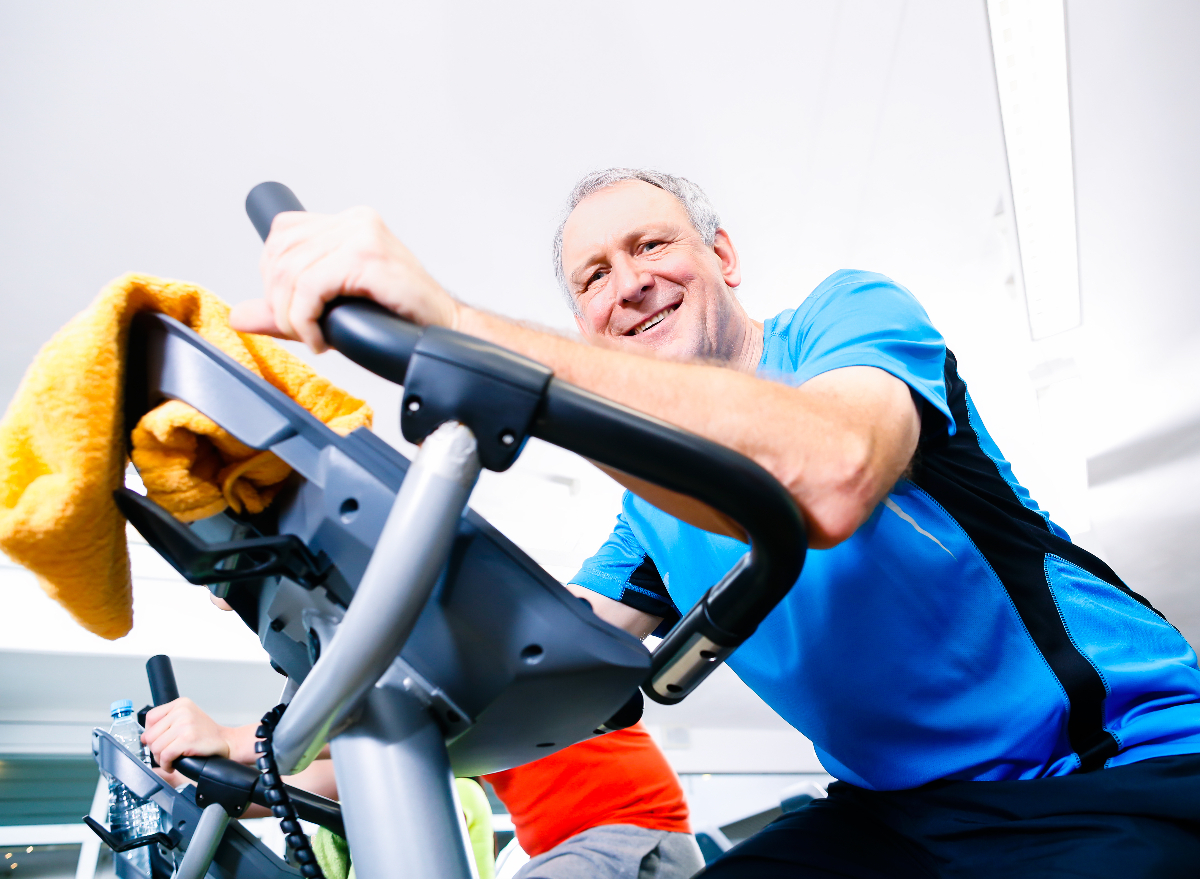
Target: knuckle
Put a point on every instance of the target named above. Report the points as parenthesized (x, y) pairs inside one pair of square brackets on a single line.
[(278, 272)]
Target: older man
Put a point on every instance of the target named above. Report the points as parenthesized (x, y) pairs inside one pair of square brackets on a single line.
[(992, 698)]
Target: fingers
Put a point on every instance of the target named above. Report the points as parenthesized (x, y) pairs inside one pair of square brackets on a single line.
[(335, 274), (181, 729), (219, 602), (310, 259), (298, 243), (253, 317), (283, 258), (285, 220)]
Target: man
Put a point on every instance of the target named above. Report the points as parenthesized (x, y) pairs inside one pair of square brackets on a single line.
[(992, 698)]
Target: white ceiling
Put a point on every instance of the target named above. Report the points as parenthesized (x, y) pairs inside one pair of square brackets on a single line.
[(829, 134)]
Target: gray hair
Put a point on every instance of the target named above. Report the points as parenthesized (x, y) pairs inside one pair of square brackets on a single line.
[(701, 213)]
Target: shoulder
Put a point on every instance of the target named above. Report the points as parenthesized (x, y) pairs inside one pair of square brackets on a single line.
[(848, 313), (851, 300), (856, 318)]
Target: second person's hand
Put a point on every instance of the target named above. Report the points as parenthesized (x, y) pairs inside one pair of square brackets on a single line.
[(182, 729)]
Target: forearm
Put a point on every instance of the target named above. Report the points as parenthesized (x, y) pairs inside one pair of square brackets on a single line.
[(241, 741), (835, 465)]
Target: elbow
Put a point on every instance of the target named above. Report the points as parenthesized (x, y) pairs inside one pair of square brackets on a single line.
[(829, 528), (838, 493)]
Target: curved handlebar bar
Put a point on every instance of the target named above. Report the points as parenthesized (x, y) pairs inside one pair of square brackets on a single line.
[(634, 443)]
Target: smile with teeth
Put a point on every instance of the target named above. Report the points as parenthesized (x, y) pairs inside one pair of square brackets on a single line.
[(653, 321)]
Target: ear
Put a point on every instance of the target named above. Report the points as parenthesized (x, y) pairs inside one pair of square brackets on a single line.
[(727, 255)]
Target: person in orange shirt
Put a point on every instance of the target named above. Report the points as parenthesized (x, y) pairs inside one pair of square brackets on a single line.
[(607, 808)]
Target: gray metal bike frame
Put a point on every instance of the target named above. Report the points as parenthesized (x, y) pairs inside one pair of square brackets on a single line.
[(409, 557), (401, 811)]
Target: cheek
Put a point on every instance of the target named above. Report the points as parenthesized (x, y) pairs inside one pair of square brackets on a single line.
[(682, 266), (595, 314)]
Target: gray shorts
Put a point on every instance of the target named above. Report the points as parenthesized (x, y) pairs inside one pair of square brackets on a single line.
[(618, 851)]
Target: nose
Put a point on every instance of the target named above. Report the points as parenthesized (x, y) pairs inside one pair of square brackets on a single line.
[(631, 282)]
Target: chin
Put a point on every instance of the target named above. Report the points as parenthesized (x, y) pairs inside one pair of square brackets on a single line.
[(673, 348)]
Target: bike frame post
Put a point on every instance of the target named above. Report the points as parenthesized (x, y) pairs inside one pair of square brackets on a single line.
[(401, 811)]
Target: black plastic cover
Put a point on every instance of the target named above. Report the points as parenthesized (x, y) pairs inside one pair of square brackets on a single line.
[(627, 715), (493, 391), (225, 782), (203, 563)]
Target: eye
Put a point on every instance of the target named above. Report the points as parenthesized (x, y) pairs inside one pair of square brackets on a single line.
[(651, 245), (598, 275)]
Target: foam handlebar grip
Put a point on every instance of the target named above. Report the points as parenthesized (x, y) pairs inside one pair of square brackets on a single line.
[(161, 673), (265, 201)]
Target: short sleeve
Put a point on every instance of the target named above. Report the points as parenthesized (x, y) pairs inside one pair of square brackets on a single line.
[(623, 571), (859, 319)]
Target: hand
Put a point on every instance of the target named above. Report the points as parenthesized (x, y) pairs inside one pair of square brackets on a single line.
[(181, 729), (310, 259)]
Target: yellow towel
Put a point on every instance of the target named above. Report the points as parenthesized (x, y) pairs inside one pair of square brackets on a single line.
[(62, 453)]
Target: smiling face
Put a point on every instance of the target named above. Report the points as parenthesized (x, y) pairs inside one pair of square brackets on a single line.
[(642, 276)]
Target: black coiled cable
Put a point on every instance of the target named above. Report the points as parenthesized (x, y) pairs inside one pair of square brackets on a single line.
[(277, 795)]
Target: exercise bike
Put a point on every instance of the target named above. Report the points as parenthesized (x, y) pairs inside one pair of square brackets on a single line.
[(417, 641)]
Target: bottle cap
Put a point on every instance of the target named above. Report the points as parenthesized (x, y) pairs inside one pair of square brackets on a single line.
[(120, 706)]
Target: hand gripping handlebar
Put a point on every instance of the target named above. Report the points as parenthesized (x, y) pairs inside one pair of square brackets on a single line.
[(233, 784), (610, 434)]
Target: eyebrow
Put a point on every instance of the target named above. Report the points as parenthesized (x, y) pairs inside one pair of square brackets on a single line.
[(578, 276)]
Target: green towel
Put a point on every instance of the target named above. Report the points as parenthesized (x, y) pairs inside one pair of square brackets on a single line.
[(333, 853)]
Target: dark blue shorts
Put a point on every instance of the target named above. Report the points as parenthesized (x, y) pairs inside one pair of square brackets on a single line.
[(1140, 820)]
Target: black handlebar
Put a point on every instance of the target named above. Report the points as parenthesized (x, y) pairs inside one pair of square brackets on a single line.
[(265, 201), (629, 441), (161, 674)]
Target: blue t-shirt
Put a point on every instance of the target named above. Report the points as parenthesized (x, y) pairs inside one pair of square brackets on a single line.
[(958, 634)]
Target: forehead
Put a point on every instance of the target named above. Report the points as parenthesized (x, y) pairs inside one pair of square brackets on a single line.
[(616, 210)]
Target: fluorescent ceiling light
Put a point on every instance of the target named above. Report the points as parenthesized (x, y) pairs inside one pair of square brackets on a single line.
[(1029, 45)]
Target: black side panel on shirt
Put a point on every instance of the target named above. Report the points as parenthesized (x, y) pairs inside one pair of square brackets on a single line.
[(649, 594), (958, 474)]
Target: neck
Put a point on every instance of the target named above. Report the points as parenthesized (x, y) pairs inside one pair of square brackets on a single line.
[(746, 346)]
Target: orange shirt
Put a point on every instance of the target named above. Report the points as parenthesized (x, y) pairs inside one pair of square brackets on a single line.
[(618, 778)]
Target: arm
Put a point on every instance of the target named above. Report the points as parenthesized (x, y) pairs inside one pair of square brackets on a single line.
[(838, 443), (636, 622)]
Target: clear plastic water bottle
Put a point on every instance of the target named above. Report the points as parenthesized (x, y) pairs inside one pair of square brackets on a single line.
[(128, 816)]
